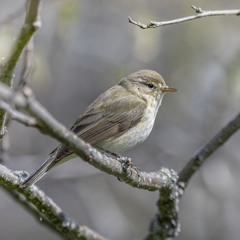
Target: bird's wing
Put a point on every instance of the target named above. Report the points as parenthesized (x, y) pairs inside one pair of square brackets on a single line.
[(97, 125)]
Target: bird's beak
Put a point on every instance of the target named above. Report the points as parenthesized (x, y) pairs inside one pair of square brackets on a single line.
[(168, 89)]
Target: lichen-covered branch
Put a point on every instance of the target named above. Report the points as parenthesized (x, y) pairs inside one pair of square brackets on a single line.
[(29, 207), (199, 14), (7, 67), (165, 224), (46, 208)]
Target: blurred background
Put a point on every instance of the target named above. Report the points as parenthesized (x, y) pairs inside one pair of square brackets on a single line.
[(87, 46)]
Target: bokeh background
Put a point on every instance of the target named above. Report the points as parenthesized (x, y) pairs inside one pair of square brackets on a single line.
[(86, 46)]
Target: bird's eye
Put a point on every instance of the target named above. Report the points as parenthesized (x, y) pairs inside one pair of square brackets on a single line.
[(150, 85)]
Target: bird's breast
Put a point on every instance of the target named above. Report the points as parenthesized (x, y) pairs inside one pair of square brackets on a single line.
[(133, 136)]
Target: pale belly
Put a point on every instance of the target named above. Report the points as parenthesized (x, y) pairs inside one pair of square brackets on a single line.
[(131, 138)]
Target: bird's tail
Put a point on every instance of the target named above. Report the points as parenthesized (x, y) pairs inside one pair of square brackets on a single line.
[(39, 173)]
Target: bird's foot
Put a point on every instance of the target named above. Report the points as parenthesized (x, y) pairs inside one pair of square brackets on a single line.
[(126, 163)]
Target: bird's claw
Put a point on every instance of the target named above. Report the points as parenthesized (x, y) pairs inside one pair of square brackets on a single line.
[(126, 162)]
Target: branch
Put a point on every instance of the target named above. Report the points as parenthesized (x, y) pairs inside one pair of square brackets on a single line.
[(198, 10), (27, 103), (165, 224), (215, 143), (29, 207), (31, 24), (18, 116), (46, 208)]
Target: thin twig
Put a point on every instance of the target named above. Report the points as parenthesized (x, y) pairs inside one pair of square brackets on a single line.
[(47, 208), (208, 149), (17, 115), (198, 10), (28, 63)]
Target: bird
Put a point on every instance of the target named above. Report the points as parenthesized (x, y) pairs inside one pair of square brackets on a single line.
[(119, 119)]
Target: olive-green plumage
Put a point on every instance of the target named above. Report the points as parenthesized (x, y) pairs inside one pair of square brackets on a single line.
[(119, 119)]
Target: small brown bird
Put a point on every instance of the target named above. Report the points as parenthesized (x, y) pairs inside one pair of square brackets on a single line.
[(120, 118)]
